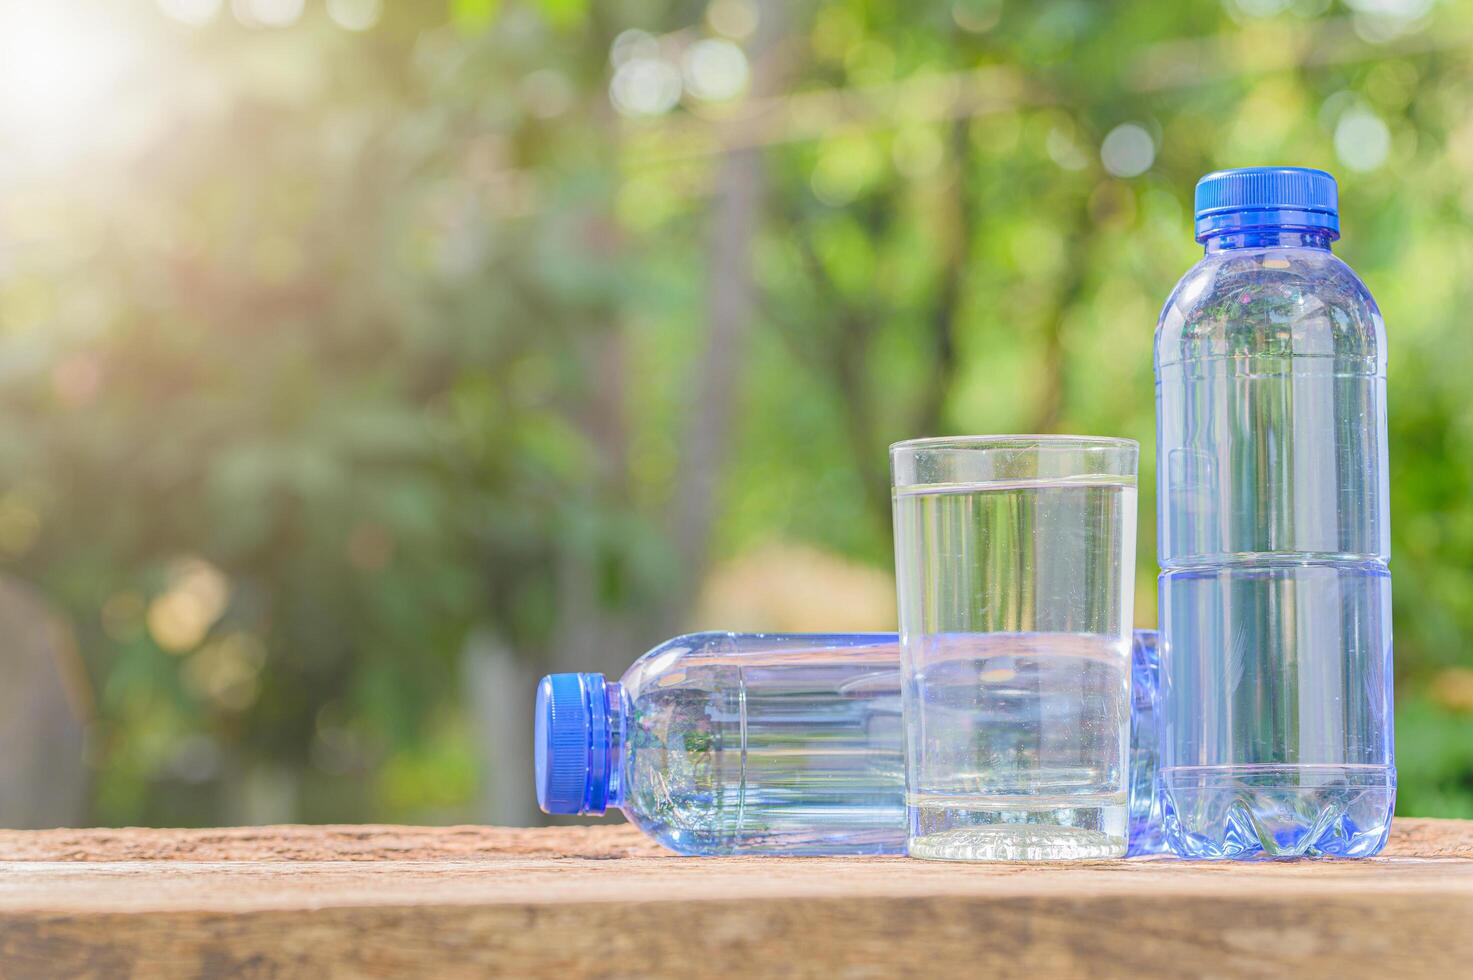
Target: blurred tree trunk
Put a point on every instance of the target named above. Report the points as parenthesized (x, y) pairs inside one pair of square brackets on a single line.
[(1080, 238), (731, 307), (499, 689), (958, 231), (44, 705)]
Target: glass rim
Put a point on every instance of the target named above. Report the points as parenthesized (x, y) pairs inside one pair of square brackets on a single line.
[(1021, 441)]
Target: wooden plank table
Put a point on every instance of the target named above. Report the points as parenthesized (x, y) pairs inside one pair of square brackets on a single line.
[(475, 901)]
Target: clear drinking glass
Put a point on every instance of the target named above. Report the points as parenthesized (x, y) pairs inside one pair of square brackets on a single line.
[(1015, 560)]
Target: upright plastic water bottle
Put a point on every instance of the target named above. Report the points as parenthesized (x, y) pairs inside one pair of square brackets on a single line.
[(1274, 533), (730, 743)]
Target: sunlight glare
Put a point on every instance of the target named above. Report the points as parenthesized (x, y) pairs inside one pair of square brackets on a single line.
[(59, 65)]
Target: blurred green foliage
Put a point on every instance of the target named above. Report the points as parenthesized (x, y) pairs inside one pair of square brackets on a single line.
[(337, 347)]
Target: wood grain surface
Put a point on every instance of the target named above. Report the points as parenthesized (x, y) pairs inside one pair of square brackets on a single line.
[(602, 901)]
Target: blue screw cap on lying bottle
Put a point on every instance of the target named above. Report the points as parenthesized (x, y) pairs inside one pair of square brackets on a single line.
[(571, 747)]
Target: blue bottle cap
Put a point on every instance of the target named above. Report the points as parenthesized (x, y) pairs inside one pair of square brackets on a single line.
[(1267, 197), (571, 743)]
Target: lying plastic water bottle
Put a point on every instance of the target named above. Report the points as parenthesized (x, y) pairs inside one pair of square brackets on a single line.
[(730, 743), (1274, 532)]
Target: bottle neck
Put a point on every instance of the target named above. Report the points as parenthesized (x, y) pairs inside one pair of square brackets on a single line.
[(1269, 238), (617, 734)]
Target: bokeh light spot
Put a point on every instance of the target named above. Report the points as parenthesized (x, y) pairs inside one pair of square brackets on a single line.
[(1259, 8), (179, 618), (835, 31), (267, 13), (1128, 150), (355, 15), (632, 45), (918, 152), (1379, 21), (976, 16), (193, 12), (845, 170), (715, 71), (1362, 140), (225, 671), (645, 87), (1063, 150), (736, 19)]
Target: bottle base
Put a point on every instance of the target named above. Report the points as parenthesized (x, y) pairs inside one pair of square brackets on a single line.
[(1217, 812), (1057, 833)]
